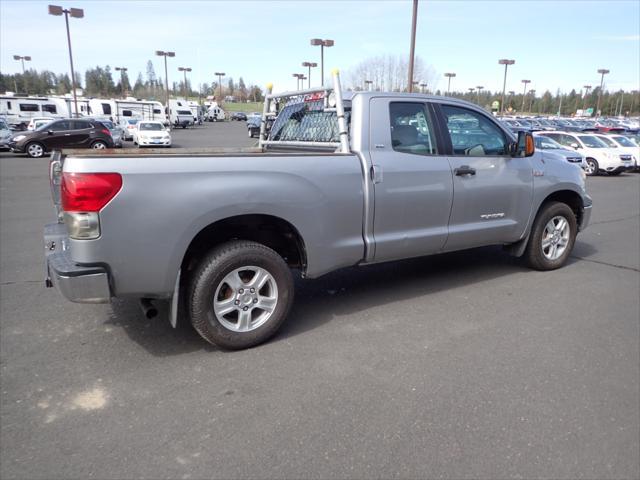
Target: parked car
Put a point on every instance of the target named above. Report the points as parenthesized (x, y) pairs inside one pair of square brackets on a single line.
[(552, 148), (37, 122), (71, 133), (128, 126), (151, 134), (627, 145), (253, 127), (116, 132), (5, 134), (239, 116), (217, 234), (600, 158)]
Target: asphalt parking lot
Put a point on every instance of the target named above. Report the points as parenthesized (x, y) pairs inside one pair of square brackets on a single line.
[(465, 365)]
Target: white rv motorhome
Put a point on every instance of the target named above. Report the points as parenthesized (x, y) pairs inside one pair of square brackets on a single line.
[(214, 112), (18, 110), (180, 113), (117, 109)]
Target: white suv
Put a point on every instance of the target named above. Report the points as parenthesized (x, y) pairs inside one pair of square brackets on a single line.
[(600, 158)]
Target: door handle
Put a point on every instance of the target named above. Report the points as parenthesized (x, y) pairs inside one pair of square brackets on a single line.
[(67, 134), (465, 170)]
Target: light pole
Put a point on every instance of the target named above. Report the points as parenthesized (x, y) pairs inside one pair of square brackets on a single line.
[(423, 86), (511, 94), (75, 13), (309, 65), (412, 49), (220, 75), (164, 54), (479, 88), (586, 94), (367, 85), (185, 70), (533, 96), (449, 75), (22, 58), (524, 93), (506, 62), (471, 90), (122, 71), (603, 72), (299, 77), (322, 43)]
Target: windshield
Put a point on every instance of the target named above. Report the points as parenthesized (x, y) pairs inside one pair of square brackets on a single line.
[(150, 126), (625, 142), (608, 141), (592, 142), (546, 143)]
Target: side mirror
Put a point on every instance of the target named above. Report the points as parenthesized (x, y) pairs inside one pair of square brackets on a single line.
[(575, 145), (525, 146)]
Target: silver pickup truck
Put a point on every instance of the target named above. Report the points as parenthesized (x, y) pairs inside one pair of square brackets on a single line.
[(337, 180)]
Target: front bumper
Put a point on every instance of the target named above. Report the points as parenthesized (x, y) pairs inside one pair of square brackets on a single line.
[(154, 143), (77, 283)]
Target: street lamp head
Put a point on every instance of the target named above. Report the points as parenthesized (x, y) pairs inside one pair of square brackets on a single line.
[(506, 61), (480, 87), (603, 71), (328, 43), (27, 58), (76, 12), (220, 74), (316, 41), (450, 75), (17, 57), (511, 92), (55, 10), (121, 69), (309, 64), (526, 81), (586, 86)]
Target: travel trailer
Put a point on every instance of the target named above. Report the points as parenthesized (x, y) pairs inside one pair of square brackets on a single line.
[(117, 109), (180, 114), (18, 110)]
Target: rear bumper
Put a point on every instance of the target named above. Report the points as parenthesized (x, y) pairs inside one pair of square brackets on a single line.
[(77, 283)]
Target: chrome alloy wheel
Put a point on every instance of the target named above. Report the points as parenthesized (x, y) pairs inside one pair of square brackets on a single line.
[(99, 146), (35, 150), (245, 299), (591, 167), (555, 237)]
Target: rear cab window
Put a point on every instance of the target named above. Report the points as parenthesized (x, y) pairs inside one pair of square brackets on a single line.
[(411, 128)]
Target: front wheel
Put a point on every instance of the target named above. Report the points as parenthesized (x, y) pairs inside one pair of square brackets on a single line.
[(35, 150), (552, 237), (240, 295), (592, 167)]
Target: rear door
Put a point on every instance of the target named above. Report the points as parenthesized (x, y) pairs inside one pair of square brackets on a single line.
[(82, 134), (59, 136), (411, 178), (492, 191)]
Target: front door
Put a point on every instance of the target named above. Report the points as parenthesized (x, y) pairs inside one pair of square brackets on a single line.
[(61, 131), (492, 191), (412, 180)]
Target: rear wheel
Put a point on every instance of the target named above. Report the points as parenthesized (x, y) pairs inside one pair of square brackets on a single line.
[(592, 167), (552, 237), (99, 145), (240, 295), (35, 150)]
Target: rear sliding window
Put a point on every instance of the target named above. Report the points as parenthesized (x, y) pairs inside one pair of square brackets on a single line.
[(307, 122)]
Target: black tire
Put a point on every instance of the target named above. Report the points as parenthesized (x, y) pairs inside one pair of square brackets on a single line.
[(99, 145), (594, 167), (209, 277), (534, 254), (35, 149)]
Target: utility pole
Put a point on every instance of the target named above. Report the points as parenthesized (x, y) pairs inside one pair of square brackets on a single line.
[(412, 49)]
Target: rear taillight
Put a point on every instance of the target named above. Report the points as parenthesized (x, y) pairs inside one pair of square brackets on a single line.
[(88, 192), (106, 131), (83, 195)]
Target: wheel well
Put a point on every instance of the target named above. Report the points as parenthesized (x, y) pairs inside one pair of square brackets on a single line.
[(273, 232), (569, 197)]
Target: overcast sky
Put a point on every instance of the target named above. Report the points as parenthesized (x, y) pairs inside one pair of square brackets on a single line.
[(556, 44)]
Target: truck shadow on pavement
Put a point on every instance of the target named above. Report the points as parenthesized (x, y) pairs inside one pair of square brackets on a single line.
[(336, 294)]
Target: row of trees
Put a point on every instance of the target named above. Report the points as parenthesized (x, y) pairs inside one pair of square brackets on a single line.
[(105, 82)]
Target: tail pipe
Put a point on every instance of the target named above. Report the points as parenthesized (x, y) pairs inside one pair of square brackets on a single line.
[(148, 309)]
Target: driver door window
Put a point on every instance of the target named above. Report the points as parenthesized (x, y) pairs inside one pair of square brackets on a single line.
[(472, 134), (60, 126)]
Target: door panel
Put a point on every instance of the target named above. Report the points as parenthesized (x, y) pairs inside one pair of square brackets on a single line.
[(493, 196), (61, 132), (412, 183)]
